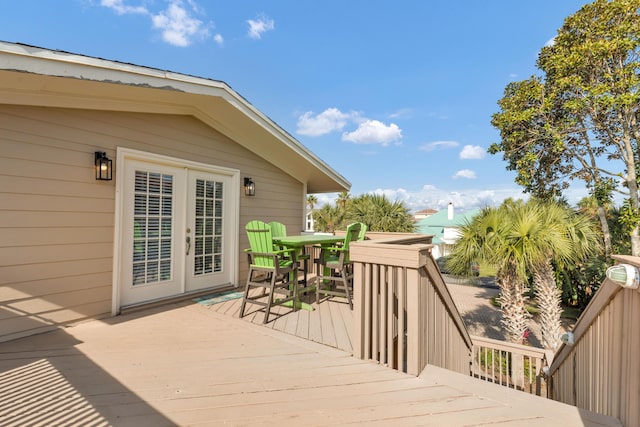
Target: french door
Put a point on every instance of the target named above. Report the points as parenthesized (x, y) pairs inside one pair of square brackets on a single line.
[(177, 230)]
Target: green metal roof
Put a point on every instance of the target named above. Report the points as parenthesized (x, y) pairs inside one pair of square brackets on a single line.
[(435, 224)]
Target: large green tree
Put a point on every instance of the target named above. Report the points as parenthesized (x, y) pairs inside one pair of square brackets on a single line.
[(578, 120)]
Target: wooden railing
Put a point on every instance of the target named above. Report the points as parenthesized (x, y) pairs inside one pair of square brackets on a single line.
[(511, 365), (600, 370), (405, 317)]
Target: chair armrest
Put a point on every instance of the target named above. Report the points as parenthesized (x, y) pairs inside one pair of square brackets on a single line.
[(277, 253), (289, 251), (334, 248)]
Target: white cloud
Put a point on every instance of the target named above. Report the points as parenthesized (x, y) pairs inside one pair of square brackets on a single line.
[(472, 152), (328, 121), (120, 8), (438, 145), (374, 132), (432, 197), (178, 27), (550, 42), (176, 22), (401, 114), (465, 173), (333, 120), (260, 26)]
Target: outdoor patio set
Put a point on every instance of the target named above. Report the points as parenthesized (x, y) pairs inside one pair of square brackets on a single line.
[(277, 260)]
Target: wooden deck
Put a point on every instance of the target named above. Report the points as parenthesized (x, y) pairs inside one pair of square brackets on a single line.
[(330, 323), (186, 364)]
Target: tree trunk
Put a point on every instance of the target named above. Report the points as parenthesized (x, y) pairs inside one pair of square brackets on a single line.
[(606, 233), (631, 180), (550, 304), (512, 302), (635, 241)]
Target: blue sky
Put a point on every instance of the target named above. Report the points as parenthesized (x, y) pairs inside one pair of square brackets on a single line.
[(397, 96)]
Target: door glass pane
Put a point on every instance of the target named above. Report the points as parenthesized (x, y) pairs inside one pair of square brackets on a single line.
[(152, 227), (208, 227)]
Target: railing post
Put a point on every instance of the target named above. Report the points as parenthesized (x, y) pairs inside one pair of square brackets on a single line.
[(358, 309), (415, 338), (402, 304)]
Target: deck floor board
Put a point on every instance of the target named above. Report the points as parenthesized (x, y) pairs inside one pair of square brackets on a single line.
[(187, 364)]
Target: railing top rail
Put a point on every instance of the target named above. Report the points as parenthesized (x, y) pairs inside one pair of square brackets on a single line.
[(406, 251), (627, 259), (391, 236), (526, 350)]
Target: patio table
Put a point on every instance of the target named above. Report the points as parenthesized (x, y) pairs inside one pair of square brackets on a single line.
[(299, 242)]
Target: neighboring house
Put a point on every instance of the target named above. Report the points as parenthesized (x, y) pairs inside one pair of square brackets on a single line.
[(444, 227), (171, 221), (423, 214), (309, 221)]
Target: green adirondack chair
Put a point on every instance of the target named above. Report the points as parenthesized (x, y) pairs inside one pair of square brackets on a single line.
[(335, 275), (363, 231), (269, 269), (278, 229)]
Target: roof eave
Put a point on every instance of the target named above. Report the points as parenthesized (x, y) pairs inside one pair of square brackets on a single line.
[(96, 83)]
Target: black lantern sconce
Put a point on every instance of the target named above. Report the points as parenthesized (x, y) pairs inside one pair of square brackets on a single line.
[(104, 166), (249, 187)]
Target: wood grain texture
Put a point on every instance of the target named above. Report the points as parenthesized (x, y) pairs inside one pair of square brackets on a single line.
[(188, 364)]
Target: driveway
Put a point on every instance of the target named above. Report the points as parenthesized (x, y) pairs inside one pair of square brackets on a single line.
[(472, 297)]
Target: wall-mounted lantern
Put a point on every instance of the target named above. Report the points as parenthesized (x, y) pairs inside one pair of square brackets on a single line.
[(249, 187), (624, 275), (104, 166)]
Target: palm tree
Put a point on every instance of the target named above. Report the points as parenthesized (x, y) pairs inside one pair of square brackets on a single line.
[(374, 210), (329, 218), (519, 238), (343, 199), (312, 200), (380, 214), (492, 237), (571, 238)]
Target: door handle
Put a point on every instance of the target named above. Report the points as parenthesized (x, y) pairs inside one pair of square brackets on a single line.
[(188, 244)]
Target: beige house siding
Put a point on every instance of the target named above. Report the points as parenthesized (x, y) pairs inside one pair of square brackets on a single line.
[(57, 221)]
